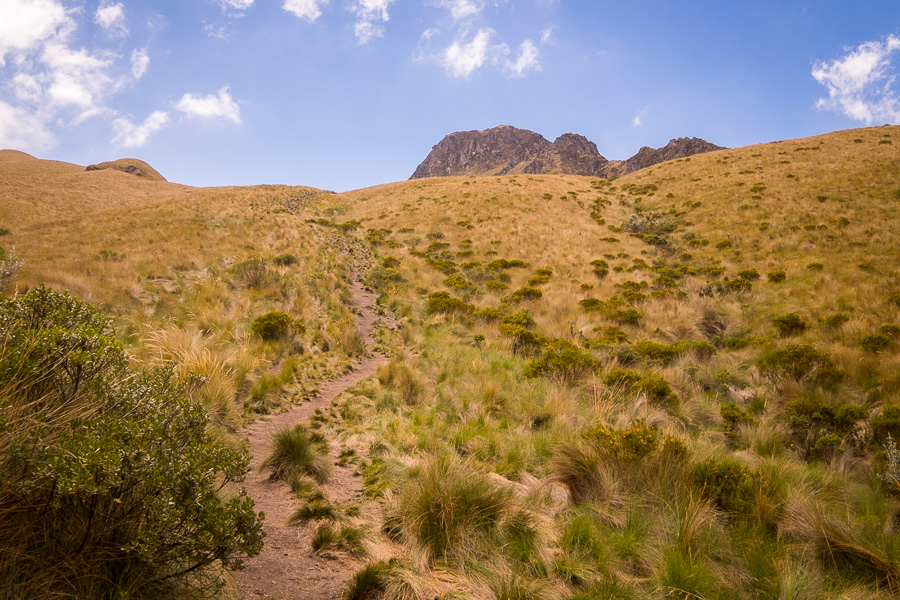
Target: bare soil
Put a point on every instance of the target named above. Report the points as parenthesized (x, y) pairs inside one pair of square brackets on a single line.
[(288, 568)]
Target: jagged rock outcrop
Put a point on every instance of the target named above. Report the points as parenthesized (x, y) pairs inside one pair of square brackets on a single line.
[(505, 150), (132, 166)]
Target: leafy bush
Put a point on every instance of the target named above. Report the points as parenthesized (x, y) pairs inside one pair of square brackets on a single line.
[(275, 325), (776, 276), (886, 423), (110, 484), (748, 274), (733, 416), (442, 302), (629, 444), (810, 420), (561, 359), (836, 320), (488, 313), (525, 294), (729, 483), (496, 286), (657, 389), (285, 260), (802, 362), (875, 342), (894, 299), (457, 282), (789, 324)]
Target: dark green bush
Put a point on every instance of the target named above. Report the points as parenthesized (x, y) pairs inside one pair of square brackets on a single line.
[(776, 276), (886, 423), (802, 362), (875, 342), (789, 324), (390, 262), (109, 483), (285, 260), (276, 325), (442, 302), (561, 359), (525, 294), (810, 419), (729, 483), (836, 320)]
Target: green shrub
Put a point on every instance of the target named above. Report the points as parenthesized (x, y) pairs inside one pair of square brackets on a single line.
[(296, 450), (748, 274), (724, 244), (561, 359), (110, 484), (836, 320), (810, 419), (815, 266), (285, 260), (886, 423), (894, 299), (656, 388), (276, 325), (251, 273), (776, 276), (496, 286), (733, 416), (382, 277), (525, 294), (457, 282), (390, 262), (737, 285), (875, 342), (729, 483), (591, 304), (525, 341), (442, 302), (519, 318), (802, 362), (488, 313), (789, 324), (890, 330), (629, 444)]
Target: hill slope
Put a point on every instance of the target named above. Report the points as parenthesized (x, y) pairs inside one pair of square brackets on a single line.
[(677, 383), (506, 150)]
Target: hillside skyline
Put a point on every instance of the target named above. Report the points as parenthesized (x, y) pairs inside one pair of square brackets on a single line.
[(345, 95)]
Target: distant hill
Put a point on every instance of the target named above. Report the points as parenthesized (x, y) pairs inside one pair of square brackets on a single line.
[(507, 150), (132, 166)]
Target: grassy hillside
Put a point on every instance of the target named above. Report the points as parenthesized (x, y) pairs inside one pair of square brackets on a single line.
[(678, 383)]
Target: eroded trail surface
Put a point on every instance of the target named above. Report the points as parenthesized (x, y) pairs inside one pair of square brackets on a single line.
[(287, 568)]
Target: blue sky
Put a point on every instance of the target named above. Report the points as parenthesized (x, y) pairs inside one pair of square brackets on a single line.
[(343, 94)]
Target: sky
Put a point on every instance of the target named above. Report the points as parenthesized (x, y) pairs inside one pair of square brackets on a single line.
[(345, 94)]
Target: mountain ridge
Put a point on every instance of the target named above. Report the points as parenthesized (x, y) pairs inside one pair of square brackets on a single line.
[(505, 150)]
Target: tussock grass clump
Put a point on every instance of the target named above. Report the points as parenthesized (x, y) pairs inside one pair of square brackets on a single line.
[(450, 508), (295, 449)]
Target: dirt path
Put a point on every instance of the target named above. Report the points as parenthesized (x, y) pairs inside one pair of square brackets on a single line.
[(287, 568)]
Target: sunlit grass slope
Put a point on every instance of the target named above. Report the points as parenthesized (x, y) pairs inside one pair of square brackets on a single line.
[(679, 383), (186, 271)]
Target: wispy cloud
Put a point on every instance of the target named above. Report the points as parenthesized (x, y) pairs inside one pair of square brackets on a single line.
[(637, 121), (462, 59), (235, 7), (140, 62), (462, 9), (211, 107), (23, 130), (111, 17), (526, 60), (129, 135), (369, 16), (308, 10), (860, 83)]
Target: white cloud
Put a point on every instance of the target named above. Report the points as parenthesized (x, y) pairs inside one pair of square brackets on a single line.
[(309, 10), (77, 78), (111, 17), (214, 106), (461, 9), (638, 118), (140, 62), (429, 33), (527, 60), (22, 130), (27, 23), (461, 60), (129, 135), (860, 83), (368, 14), (238, 6), (545, 36)]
